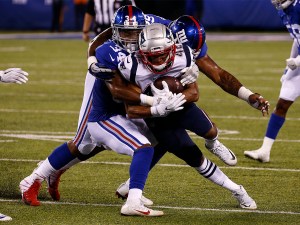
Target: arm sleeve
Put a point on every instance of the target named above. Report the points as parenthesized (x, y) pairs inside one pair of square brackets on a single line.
[(125, 67), (90, 8), (203, 51)]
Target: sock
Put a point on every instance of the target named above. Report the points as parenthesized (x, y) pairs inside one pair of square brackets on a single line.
[(139, 167), (212, 172), (134, 196), (60, 157), (274, 125), (211, 143), (44, 170)]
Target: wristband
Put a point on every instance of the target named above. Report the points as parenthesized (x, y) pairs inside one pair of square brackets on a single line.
[(146, 100), (244, 93), (154, 111), (91, 60), (86, 32)]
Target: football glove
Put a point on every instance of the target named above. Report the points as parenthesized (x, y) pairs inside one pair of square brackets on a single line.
[(101, 72), (168, 104), (293, 63), (189, 74), (258, 102), (14, 75), (157, 92)]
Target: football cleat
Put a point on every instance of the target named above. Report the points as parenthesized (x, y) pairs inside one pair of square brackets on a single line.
[(30, 191), (4, 217), (245, 201), (258, 154), (225, 154), (53, 183), (122, 192), (139, 210)]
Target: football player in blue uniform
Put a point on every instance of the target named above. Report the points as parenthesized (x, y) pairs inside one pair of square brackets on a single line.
[(107, 122), (289, 12)]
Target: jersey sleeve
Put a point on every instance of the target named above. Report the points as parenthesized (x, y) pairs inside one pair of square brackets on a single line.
[(125, 67), (151, 18), (203, 51), (106, 57), (90, 7)]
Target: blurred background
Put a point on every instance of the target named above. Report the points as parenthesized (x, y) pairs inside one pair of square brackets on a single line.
[(216, 15)]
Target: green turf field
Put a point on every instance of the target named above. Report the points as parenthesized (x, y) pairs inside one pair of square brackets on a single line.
[(38, 116)]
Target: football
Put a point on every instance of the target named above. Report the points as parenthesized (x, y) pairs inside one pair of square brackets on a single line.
[(174, 84)]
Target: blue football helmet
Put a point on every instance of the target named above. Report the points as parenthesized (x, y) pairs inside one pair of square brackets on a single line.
[(187, 30), (127, 23)]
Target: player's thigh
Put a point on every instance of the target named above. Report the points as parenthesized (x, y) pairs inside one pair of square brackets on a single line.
[(84, 110), (119, 134), (290, 90)]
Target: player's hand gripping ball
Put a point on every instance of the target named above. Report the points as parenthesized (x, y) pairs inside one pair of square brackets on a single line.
[(174, 84)]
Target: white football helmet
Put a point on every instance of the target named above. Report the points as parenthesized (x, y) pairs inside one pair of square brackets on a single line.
[(157, 48), (282, 4)]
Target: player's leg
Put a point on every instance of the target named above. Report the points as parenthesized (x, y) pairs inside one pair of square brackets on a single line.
[(123, 136), (185, 149), (178, 142), (196, 120), (63, 157), (288, 94)]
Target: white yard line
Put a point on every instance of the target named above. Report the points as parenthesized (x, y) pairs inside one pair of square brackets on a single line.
[(163, 207), (159, 164)]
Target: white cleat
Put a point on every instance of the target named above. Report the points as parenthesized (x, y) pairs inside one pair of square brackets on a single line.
[(139, 210), (258, 154), (224, 153), (122, 192), (245, 201), (4, 217)]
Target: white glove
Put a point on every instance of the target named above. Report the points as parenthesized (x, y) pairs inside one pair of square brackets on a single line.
[(293, 63), (14, 75), (189, 74), (157, 92), (168, 104), (157, 95)]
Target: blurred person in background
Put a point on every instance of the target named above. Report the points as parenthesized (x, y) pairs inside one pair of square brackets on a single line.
[(18, 76), (100, 12), (79, 11), (289, 11), (57, 15)]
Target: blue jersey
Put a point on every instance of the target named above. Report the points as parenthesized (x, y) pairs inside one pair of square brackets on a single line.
[(150, 18), (104, 106), (291, 19)]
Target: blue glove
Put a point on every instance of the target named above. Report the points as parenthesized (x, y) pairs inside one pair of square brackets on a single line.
[(101, 72)]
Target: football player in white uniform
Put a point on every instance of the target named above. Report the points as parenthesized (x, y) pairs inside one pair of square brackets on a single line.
[(159, 56), (18, 76), (289, 11)]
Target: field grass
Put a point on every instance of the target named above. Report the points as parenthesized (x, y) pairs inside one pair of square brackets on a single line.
[(38, 116)]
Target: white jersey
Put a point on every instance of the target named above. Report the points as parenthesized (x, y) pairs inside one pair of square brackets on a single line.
[(135, 71)]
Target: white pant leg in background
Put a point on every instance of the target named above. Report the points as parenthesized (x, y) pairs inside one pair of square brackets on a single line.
[(290, 87)]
